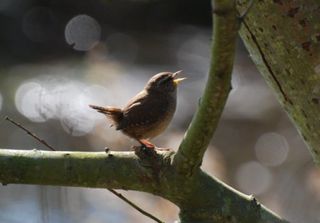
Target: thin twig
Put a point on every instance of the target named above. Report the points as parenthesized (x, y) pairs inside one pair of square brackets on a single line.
[(135, 206), (30, 133), (111, 190)]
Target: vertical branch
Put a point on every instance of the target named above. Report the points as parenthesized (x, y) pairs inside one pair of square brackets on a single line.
[(225, 29)]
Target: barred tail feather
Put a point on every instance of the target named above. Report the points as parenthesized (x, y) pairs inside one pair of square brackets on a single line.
[(114, 114)]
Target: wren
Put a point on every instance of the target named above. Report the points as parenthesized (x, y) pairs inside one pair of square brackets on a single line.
[(148, 113)]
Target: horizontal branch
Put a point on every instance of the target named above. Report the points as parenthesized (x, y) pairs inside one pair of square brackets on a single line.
[(125, 170), (117, 170)]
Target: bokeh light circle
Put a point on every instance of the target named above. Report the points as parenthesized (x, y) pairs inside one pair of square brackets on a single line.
[(62, 99), (82, 32), (253, 178), (74, 111), (28, 101), (271, 149), (77, 123)]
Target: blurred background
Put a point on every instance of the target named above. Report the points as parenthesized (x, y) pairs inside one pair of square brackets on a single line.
[(59, 56)]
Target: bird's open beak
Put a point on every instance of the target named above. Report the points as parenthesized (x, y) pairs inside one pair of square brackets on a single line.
[(178, 80)]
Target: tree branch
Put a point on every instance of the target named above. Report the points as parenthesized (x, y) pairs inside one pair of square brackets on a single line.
[(42, 141), (221, 203), (118, 170), (225, 30), (124, 170)]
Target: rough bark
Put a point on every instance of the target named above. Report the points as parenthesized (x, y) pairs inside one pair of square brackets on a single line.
[(283, 38)]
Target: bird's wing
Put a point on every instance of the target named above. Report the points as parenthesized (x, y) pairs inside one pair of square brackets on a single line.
[(134, 105), (140, 97), (140, 110)]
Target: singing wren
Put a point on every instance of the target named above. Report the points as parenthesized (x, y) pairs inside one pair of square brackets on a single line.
[(148, 113)]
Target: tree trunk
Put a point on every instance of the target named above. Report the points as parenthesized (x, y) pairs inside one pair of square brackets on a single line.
[(283, 39)]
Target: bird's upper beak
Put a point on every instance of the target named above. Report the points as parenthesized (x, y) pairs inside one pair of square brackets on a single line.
[(177, 80)]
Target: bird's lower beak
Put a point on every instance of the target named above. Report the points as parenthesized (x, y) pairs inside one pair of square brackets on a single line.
[(177, 80)]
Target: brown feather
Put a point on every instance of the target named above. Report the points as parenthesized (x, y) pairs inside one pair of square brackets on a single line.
[(114, 114)]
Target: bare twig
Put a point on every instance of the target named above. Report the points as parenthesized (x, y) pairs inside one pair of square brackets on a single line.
[(111, 190), (30, 133), (135, 206)]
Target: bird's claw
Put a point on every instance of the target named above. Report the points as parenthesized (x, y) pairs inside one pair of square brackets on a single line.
[(146, 144)]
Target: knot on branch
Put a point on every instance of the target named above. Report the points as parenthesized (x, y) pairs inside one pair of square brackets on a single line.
[(151, 159), (254, 202)]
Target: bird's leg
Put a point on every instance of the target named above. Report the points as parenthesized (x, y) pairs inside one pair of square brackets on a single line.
[(146, 144)]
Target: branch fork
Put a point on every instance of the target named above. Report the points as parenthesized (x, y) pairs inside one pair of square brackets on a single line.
[(174, 176)]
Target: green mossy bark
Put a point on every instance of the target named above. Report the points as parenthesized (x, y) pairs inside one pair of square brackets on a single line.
[(78, 169), (283, 39), (198, 136), (201, 198)]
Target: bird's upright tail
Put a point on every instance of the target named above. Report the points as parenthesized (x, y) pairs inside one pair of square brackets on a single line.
[(114, 114)]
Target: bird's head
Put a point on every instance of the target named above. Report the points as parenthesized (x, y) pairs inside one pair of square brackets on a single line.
[(164, 81)]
